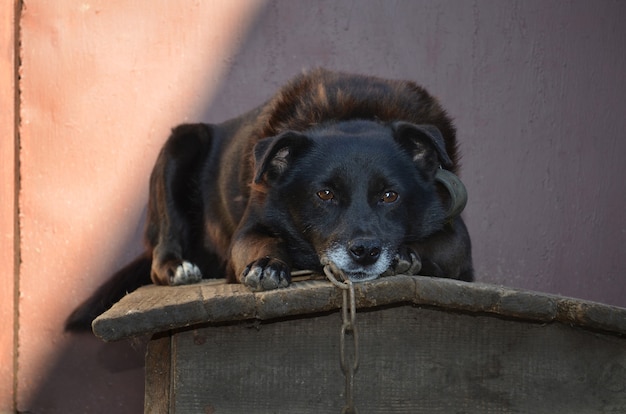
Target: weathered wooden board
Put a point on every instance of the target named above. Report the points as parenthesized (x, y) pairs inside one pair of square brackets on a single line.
[(153, 309), (427, 346), (413, 360)]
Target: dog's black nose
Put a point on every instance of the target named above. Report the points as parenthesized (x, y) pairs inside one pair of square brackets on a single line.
[(364, 251)]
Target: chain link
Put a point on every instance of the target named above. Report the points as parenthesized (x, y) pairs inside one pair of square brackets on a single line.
[(349, 362)]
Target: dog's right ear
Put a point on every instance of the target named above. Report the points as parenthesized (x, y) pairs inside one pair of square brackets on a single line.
[(274, 155)]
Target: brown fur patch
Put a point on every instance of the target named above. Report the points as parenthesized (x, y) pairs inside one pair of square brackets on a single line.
[(324, 96)]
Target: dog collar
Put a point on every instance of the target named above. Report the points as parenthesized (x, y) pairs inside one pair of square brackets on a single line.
[(457, 190)]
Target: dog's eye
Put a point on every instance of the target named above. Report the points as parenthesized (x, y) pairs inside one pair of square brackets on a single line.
[(389, 197), (325, 195)]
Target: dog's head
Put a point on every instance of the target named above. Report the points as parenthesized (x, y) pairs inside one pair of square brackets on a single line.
[(351, 192)]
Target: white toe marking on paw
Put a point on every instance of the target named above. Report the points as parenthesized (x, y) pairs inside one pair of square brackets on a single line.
[(187, 273), (259, 278)]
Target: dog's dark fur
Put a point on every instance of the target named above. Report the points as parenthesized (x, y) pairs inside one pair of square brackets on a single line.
[(335, 167)]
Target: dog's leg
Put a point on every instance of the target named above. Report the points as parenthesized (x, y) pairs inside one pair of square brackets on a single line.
[(406, 262), (447, 253), (174, 222), (260, 261)]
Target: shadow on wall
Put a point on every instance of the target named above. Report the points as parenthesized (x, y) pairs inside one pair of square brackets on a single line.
[(90, 376)]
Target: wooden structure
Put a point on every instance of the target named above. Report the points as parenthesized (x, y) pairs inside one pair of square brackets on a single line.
[(426, 346)]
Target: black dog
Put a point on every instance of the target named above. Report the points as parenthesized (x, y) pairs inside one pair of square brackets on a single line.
[(338, 168)]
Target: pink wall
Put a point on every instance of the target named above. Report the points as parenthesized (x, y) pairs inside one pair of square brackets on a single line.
[(537, 90)]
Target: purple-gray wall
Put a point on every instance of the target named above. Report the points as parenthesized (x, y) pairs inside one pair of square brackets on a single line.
[(538, 92)]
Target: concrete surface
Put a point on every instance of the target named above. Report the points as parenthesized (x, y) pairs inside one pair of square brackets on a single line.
[(536, 88)]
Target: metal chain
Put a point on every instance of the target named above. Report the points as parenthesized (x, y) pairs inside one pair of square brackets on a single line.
[(349, 363)]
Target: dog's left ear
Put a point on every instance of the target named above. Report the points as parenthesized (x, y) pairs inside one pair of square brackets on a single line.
[(425, 144), (274, 155)]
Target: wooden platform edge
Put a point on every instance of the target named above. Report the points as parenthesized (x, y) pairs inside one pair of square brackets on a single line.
[(153, 309)]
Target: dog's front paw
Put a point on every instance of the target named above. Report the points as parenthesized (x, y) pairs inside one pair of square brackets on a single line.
[(266, 274), (185, 273), (406, 262), (176, 273)]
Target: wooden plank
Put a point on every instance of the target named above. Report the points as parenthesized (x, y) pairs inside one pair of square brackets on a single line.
[(413, 360), (158, 375), (9, 228), (160, 308)]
